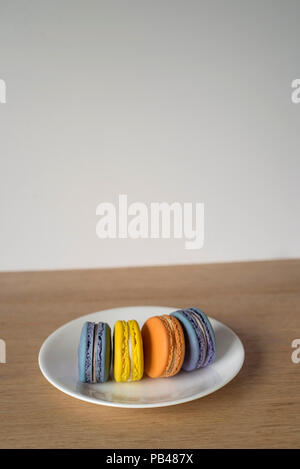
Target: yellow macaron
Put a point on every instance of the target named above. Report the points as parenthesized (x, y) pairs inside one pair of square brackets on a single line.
[(128, 351)]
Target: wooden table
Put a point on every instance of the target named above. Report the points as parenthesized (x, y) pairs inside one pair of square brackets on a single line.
[(259, 408)]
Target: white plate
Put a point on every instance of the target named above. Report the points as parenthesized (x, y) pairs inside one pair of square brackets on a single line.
[(58, 363)]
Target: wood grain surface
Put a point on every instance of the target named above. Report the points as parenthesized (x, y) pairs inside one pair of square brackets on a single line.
[(260, 408)]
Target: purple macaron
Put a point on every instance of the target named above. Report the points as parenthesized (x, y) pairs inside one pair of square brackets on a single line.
[(200, 342), (94, 352)]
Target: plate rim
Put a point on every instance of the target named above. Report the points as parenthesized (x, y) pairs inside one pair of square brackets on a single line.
[(93, 400)]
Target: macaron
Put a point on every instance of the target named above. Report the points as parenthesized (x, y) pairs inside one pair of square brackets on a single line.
[(164, 346), (128, 351), (94, 352), (200, 342)]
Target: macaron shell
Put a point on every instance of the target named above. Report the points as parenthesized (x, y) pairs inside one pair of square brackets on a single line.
[(177, 349), (137, 365), (156, 343), (210, 336), (201, 334), (192, 348), (103, 353), (85, 353), (121, 352)]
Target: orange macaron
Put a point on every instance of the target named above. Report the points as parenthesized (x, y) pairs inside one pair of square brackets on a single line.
[(164, 346)]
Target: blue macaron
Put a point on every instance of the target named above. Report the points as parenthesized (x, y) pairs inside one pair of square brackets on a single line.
[(94, 352), (200, 342)]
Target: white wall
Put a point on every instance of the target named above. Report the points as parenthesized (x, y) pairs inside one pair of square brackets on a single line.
[(160, 100)]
